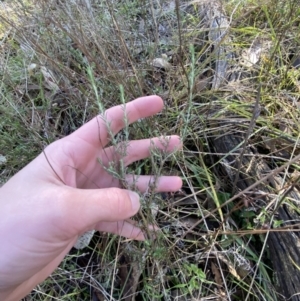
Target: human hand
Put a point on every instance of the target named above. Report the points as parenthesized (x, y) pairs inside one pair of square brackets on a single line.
[(65, 192)]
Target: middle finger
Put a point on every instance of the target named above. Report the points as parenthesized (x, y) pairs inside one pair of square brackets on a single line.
[(131, 152)]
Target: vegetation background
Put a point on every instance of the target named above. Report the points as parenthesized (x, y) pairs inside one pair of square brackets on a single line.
[(226, 70)]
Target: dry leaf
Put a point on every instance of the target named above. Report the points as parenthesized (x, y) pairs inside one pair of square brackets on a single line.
[(230, 266), (84, 240), (251, 56), (98, 296), (217, 274), (161, 63), (202, 84), (2, 159), (50, 81), (31, 68), (130, 272)]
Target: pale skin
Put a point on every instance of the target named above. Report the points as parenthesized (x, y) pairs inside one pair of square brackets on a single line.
[(45, 207)]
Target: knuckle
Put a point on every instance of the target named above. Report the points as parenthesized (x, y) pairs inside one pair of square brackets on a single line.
[(120, 203)]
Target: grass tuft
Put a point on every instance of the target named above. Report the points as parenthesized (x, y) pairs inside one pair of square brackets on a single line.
[(63, 62)]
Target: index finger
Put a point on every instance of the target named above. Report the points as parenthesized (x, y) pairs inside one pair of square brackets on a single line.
[(96, 131)]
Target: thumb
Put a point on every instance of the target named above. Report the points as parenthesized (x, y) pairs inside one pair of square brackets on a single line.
[(91, 206)]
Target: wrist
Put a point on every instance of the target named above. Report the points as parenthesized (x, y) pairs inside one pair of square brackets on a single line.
[(12, 285)]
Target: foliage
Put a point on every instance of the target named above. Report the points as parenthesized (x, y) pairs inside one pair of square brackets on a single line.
[(63, 62)]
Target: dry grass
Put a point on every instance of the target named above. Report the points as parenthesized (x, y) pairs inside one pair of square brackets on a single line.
[(62, 62)]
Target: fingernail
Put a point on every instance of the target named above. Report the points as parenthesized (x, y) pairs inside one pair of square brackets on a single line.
[(135, 200)]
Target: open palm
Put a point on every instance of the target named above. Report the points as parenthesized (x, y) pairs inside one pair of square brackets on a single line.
[(65, 192)]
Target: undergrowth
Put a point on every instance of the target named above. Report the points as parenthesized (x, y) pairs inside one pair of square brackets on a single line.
[(63, 62)]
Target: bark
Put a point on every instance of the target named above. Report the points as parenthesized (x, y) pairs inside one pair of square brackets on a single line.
[(245, 167), (284, 247)]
